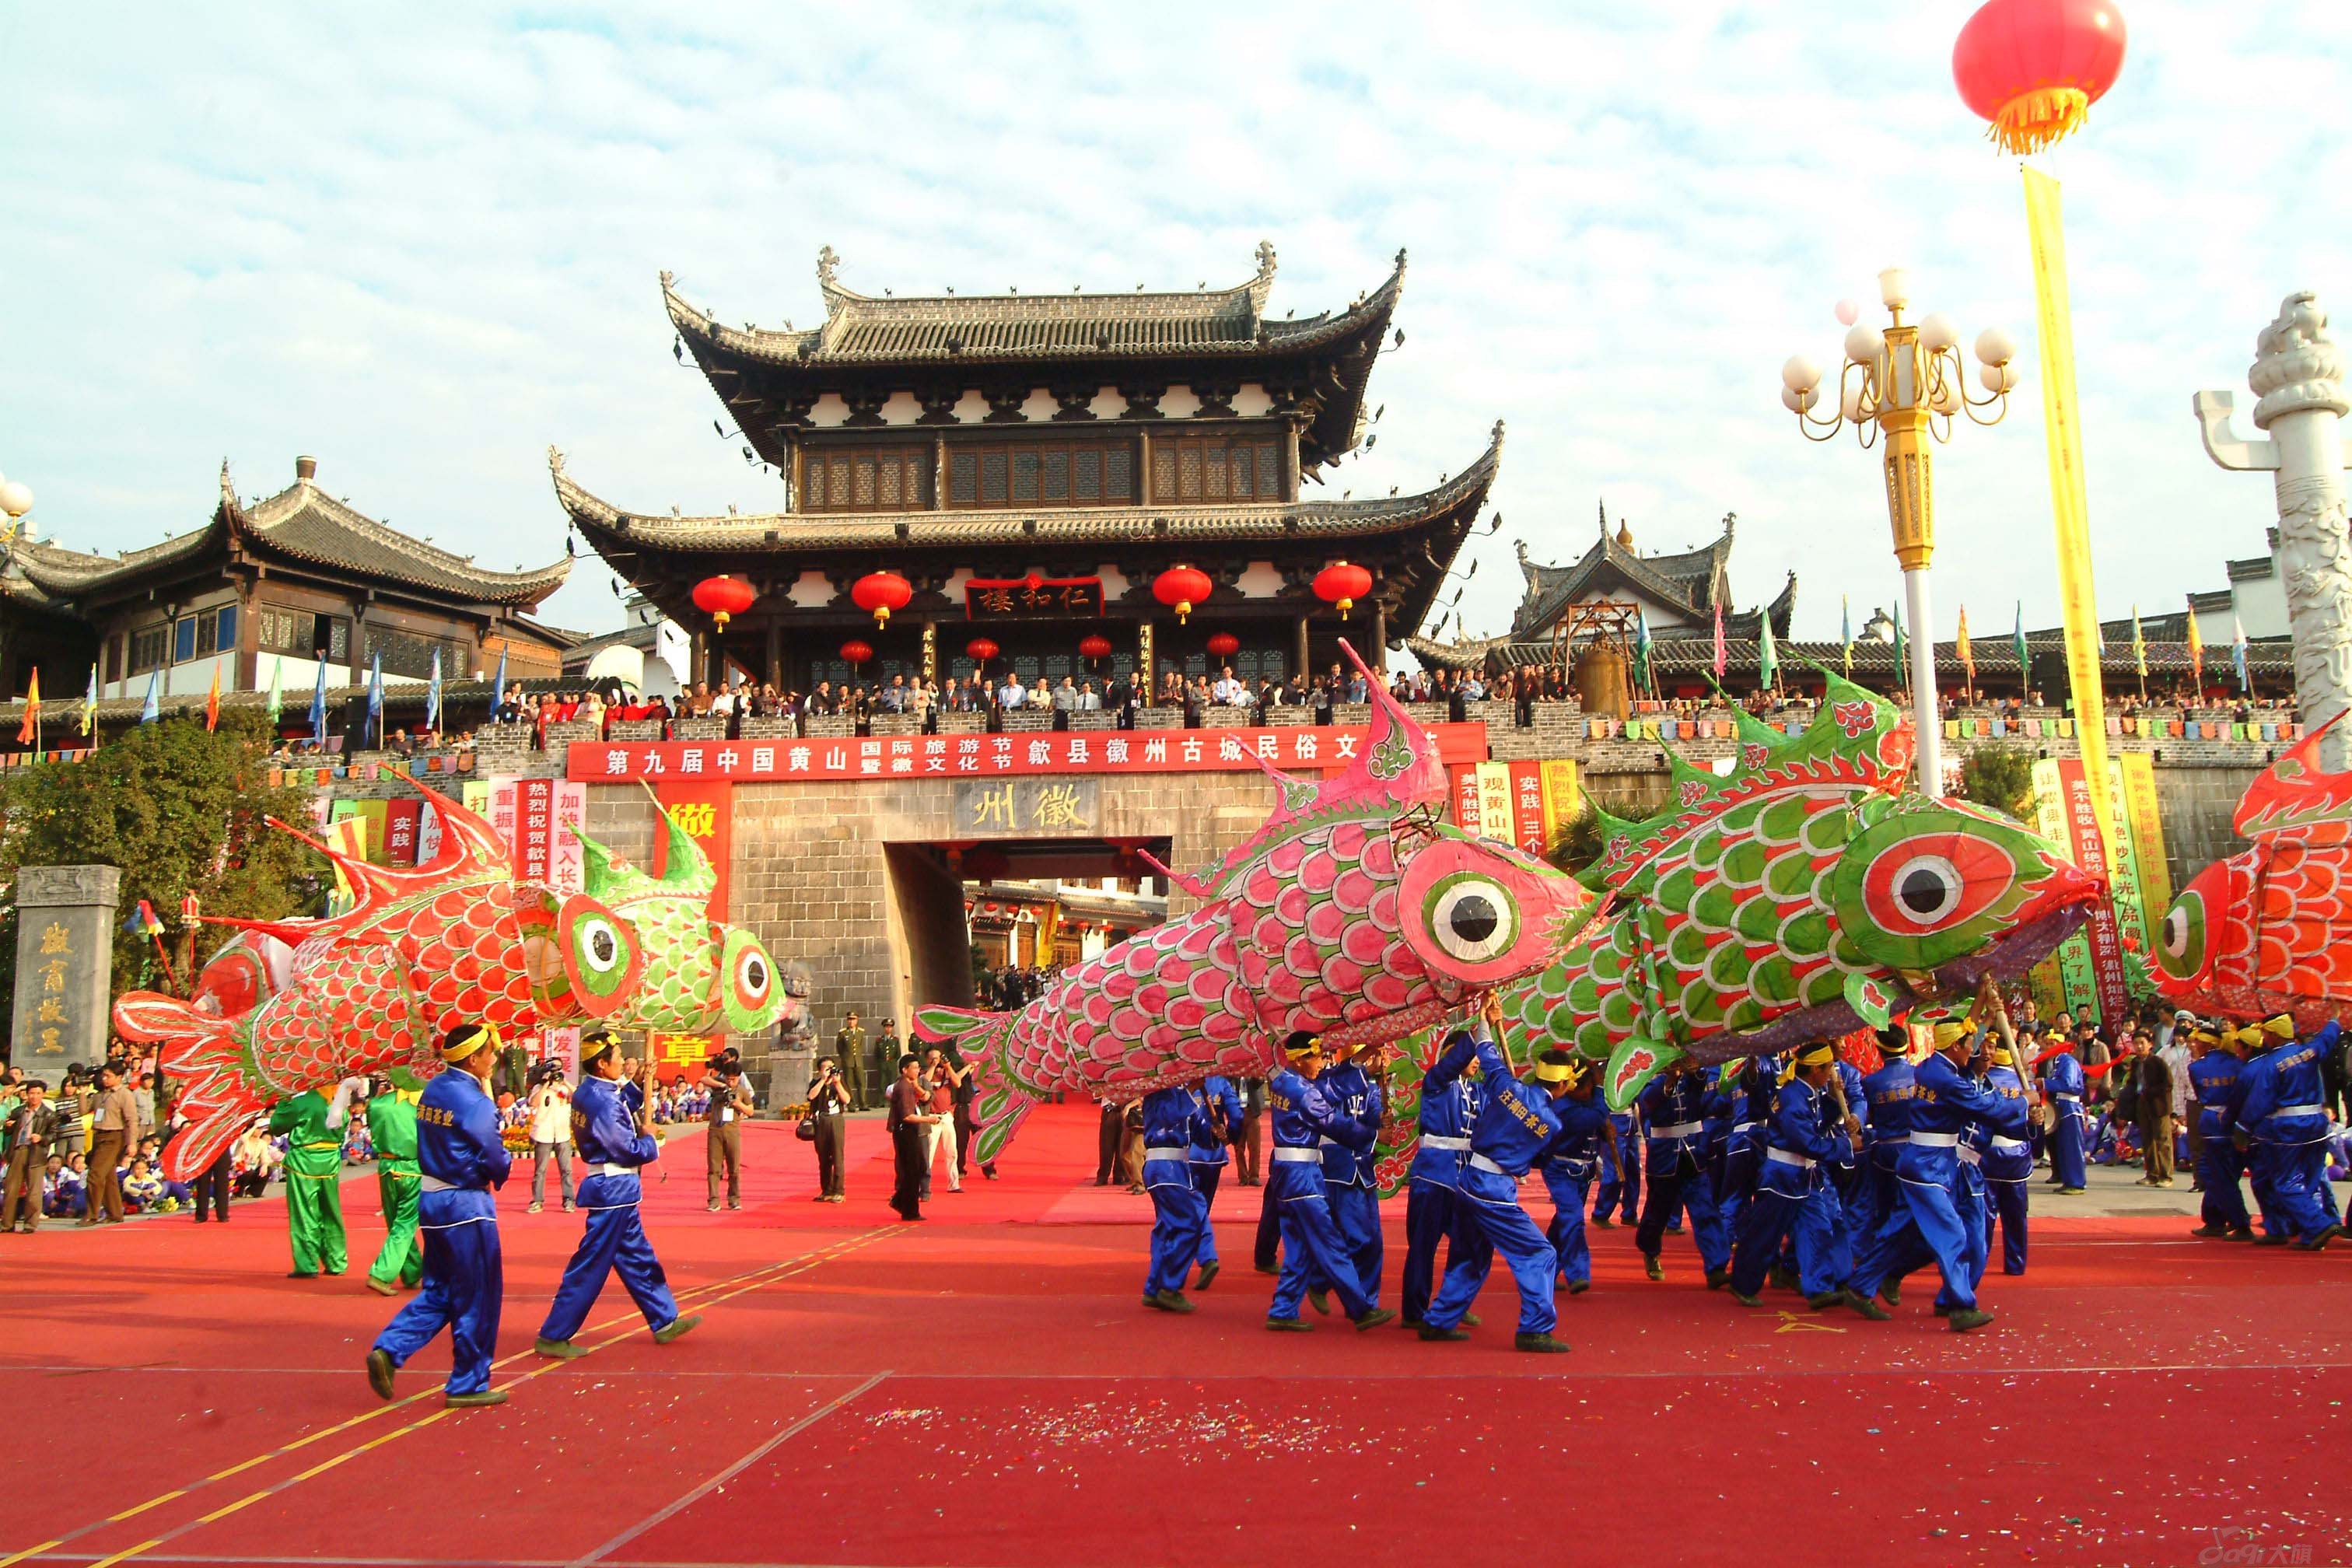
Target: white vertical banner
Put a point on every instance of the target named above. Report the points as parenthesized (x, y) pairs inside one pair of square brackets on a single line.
[(502, 811), (428, 834), (566, 865)]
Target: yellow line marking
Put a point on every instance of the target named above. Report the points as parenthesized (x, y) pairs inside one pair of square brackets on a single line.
[(241, 1502), (16, 1557), (120, 1556), (142, 1508)]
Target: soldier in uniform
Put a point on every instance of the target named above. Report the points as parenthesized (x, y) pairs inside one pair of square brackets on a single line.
[(850, 1046)]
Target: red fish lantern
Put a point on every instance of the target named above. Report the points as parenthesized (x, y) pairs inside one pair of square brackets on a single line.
[(1342, 584), (2033, 67), (881, 592), (854, 653), (1181, 588), (1224, 645), (1094, 647), (723, 598), (981, 649)]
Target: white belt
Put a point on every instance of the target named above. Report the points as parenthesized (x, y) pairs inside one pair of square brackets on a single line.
[(1744, 1126), (1969, 1155), (1782, 1157), (2008, 1145), (1480, 1161), (2070, 1098), (1286, 1155), (2298, 1111), (435, 1184), (609, 1169), (1164, 1152), (1459, 1145), (1679, 1129), (1937, 1140), (1893, 1137)]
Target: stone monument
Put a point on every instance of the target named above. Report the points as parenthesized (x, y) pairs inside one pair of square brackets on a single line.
[(2298, 382), (65, 966)]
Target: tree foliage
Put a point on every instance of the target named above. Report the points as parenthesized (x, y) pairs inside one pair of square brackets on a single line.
[(2000, 778), (1578, 843), (177, 808)]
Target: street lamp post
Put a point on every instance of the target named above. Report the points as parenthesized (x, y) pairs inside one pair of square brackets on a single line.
[(1907, 381)]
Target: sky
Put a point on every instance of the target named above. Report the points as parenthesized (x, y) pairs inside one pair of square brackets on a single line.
[(422, 243)]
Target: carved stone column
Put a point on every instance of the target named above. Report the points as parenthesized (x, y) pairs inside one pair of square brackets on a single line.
[(65, 966), (2298, 380)]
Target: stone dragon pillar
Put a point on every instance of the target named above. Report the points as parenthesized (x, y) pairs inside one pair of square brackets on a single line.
[(2298, 381)]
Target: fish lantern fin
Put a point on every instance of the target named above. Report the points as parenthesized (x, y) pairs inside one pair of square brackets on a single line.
[(1399, 762), (2296, 791), (469, 844), (1192, 885), (1872, 999), (688, 868), (1632, 1066), (599, 868)]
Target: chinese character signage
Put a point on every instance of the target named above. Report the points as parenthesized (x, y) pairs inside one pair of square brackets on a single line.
[(1031, 597), (701, 809), (986, 807), (535, 817), (1300, 750)]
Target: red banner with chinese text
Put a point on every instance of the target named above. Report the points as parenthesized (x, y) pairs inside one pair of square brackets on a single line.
[(1528, 806), (2090, 857), (705, 809), (401, 822), (1463, 780)]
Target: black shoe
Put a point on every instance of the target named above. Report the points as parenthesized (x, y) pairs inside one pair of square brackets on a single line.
[(1374, 1318), (1469, 1320), (1538, 1344), (1780, 1279), (2271, 1239), (1717, 1279), (1290, 1325), (1654, 1268), (1890, 1293), (1321, 1301), (468, 1401), (1746, 1301), (1167, 1301), (2319, 1243), (2211, 1230), (1942, 1310), (1208, 1276), (1435, 1336), (1821, 1301), (2240, 1234), (1867, 1307), (677, 1328), (1266, 1268), (1578, 1286), (379, 1372), (1599, 1222), (1968, 1318), (557, 1350)]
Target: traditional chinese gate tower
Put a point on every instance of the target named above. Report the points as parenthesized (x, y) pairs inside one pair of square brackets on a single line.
[(1031, 465)]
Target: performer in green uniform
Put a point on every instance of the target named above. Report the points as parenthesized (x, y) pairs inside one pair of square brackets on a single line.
[(314, 1175), (392, 1128)]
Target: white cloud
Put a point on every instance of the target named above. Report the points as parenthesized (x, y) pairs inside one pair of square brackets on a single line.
[(423, 246)]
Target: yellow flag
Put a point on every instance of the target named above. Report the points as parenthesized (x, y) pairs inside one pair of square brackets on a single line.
[(2069, 504), (1960, 648)]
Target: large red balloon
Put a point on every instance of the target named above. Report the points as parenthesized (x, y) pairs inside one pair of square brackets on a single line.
[(2033, 67)]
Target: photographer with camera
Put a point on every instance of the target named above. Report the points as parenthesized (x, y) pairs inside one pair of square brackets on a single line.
[(550, 1132), (828, 1107)]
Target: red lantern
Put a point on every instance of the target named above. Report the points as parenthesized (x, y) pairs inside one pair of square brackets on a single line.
[(881, 592), (722, 598), (981, 649), (2033, 67), (1342, 584), (1094, 647), (1224, 645), (854, 652), (1181, 588)]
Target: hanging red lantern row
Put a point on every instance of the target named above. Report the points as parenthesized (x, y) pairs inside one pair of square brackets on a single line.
[(1224, 645), (881, 593), (2033, 67), (854, 653), (1094, 646), (723, 598), (1182, 587), (1341, 583), (981, 649)]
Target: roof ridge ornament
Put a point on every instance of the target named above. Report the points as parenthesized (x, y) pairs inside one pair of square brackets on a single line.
[(1264, 260), (828, 265)]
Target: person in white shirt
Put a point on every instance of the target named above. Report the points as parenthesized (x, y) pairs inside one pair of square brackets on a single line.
[(551, 1136), (1228, 692), (1015, 694), (2175, 1054)]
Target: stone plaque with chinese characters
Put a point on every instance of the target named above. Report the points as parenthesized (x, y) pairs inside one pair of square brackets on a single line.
[(1031, 599), (65, 966), (1021, 808)]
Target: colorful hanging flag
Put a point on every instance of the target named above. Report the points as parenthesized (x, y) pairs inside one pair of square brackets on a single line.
[(498, 687), (2238, 655), (2196, 649), (1721, 657), (1768, 658), (2024, 654), (89, 703), (152, 709), (375, 697), (1642, 678), (142, 922), (433, 695), (32, 724), (277, 688), (211, 701), (2139, 645), (1845, 631), (1960, 647)]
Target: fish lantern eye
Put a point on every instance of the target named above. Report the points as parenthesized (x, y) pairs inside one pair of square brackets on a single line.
[(1471, 916), (1926, 889), (2180, 940), (747, 983), (601, 954)]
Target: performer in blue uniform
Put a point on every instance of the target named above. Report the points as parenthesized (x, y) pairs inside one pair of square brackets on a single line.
[(1312, 1251), (2213, 1072), (1513, 1127), (1946, 1098), (2008, 1159), (1433, 1210), (1353, 1088), (1885, 1127), (1753, 1084), (1567, 1164), (1848, 1175), (1168, 1115), (2285, 1117), (1792, 1190), (460, 1158), (1621, 1171), (1673, 1109), (2062, 1083), (614, 1146), (1216, 1113)]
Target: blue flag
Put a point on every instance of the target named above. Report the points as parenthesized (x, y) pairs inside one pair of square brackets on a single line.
[(433, 695), (151, 713), (319, 710), (375, 697), (2238, 655), (498, 687)]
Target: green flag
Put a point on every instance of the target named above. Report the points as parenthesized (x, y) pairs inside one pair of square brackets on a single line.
[(2024, 656), (1845, 631), (1768, 660), (1902, 645), (276, 687)]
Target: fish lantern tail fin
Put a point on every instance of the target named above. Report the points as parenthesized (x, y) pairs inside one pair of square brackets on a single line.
[(1000, 1101), (204, 1056)]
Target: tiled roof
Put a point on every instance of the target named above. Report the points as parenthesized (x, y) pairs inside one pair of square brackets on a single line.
[(1871, 656), (1690, 580), (602, 522)]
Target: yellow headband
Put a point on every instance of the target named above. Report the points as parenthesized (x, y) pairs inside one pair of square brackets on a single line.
[(1558, 1072), (1949, 1034), (2250, 1035), (2280, 1025), (1817, 1055), (469, 1038), (1301, 1052), (2000, 1057)]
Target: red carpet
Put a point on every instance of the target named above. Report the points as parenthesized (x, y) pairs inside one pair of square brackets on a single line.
[(982, 1389)]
